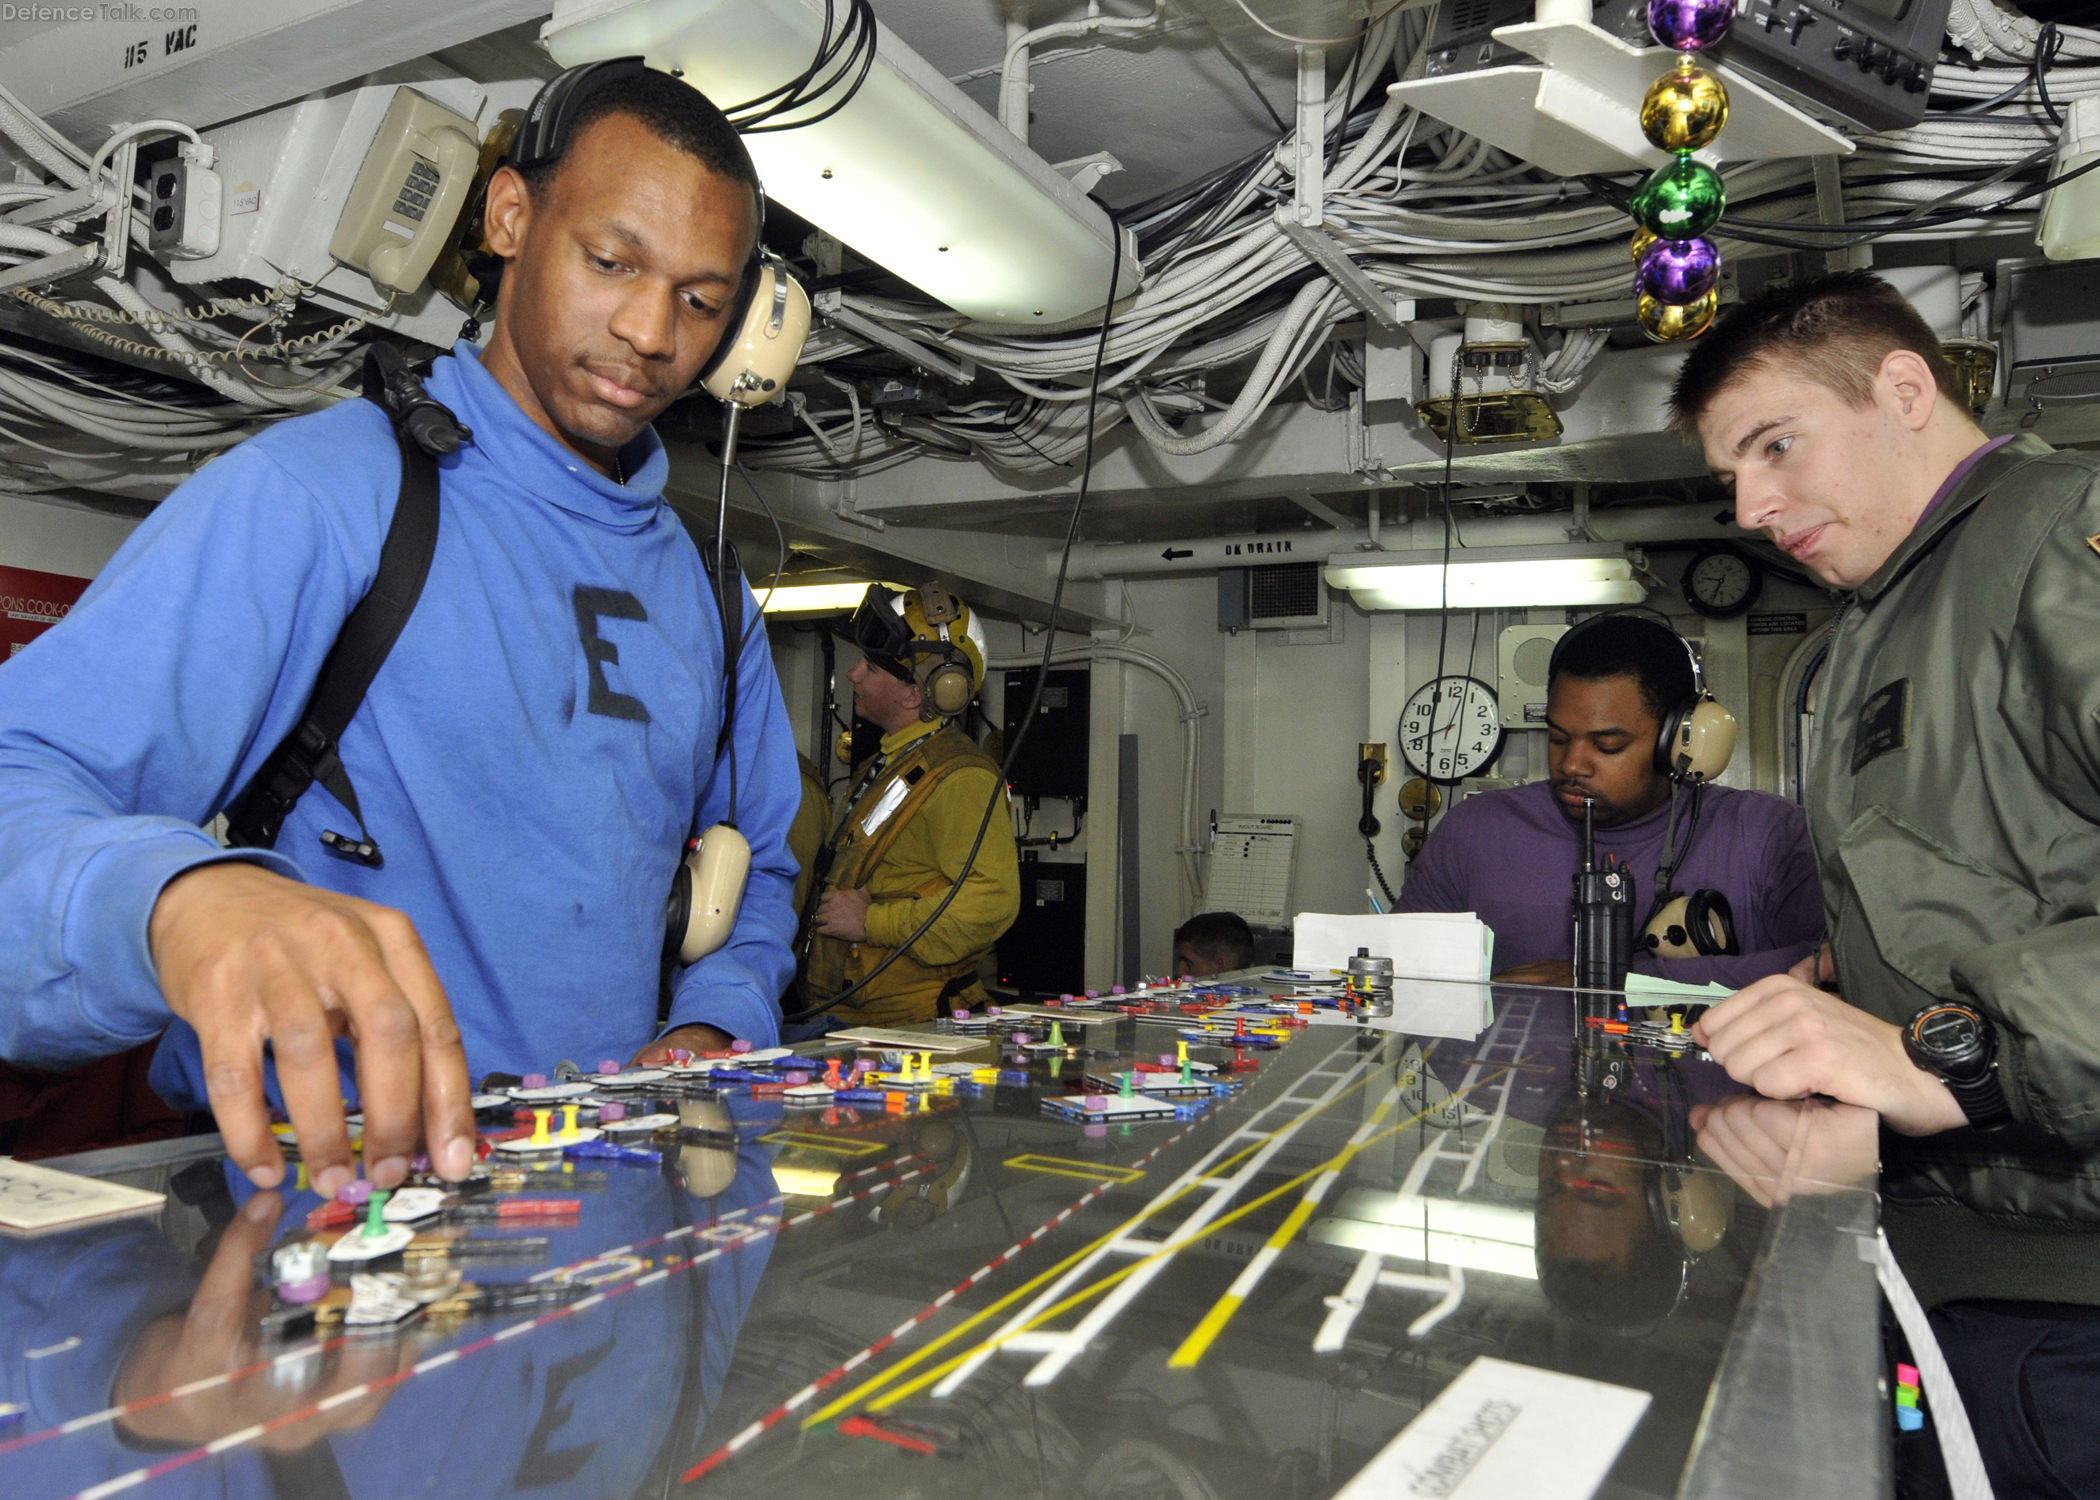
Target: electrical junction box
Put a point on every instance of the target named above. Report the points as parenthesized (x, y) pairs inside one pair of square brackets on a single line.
[(1393, 375), (2051, 332), (1044, 952), (1521, 657), (184, 201), (1053, 761)]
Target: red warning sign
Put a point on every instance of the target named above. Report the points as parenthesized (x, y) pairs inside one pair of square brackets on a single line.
[(31, 603)]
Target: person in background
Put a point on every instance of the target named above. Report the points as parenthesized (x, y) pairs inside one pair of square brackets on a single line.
[(908, 824), (1213, 942), (806, 834), (1511, 855), (1954, 797)]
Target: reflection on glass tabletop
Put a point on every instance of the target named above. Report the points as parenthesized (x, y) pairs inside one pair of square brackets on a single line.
[(1204, 1244)]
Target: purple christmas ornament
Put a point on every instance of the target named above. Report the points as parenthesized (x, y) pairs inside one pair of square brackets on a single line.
[(1678, 271), (1688, 25)]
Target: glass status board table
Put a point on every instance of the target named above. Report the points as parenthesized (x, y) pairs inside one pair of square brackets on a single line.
[(1472, 1248)]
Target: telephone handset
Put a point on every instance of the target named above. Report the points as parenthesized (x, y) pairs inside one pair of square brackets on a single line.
[(1370, 772)]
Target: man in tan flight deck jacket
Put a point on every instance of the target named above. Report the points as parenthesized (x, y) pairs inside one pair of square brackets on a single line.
[(908, 821)]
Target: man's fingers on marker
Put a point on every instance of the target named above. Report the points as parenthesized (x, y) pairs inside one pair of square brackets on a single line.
[(303, 1043), (389, 1070), (445, 1097), (233, 1083)]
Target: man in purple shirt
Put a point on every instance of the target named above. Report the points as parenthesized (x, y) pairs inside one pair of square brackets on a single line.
[(1511, 856)]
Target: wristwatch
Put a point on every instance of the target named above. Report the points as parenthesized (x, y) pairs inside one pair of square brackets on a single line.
[(1958, 1046)]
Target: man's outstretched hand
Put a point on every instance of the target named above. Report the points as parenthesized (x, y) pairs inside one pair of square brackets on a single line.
[(248, 957)]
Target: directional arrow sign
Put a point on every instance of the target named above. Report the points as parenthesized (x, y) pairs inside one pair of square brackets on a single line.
[(1170, 554)]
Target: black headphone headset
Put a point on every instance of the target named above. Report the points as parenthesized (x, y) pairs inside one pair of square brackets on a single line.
[(545, 134), (1697, 735)]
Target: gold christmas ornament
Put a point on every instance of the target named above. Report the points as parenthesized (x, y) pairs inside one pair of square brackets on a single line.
[(1668, 325), (1684, 109), (1643, 237)]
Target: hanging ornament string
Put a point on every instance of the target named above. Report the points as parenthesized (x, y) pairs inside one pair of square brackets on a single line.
[(1677, 270)]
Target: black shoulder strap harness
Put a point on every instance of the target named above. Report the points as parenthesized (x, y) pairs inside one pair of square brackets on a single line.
[(426, 431)]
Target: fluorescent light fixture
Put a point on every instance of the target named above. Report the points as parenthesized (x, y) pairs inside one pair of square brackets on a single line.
[(911, 174), (809, 598), (1489, 577), (1441, 1231), (805, 1182)]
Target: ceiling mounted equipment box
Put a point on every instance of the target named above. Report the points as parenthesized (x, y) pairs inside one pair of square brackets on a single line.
[(1565, 94), (910, 173), (2051, 318)]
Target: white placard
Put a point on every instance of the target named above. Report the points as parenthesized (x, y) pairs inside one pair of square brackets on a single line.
[(1504, 1429), (39, 1198), (1421, 944), (1250, 867)]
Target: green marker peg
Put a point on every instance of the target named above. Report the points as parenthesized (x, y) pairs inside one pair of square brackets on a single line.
[(1130, 1084), (1057, 1033), (375, 1214)]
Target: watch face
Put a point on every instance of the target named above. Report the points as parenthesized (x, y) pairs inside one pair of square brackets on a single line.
[(1948, 1033), (1451, 729)]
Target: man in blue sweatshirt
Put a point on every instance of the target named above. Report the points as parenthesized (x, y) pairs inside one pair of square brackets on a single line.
[(532, 756)]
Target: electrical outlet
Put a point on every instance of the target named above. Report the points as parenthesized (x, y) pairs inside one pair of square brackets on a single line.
[(184, 201)]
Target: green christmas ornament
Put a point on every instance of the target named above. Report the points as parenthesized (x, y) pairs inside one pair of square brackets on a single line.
[(1680, 200)]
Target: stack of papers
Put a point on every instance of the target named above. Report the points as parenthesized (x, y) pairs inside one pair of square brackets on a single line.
[(1456, 948), (1651, 989)]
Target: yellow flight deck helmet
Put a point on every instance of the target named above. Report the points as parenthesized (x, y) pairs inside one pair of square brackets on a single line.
[(925, 636)]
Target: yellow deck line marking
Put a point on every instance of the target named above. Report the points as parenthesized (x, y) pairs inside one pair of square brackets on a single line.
[(868, 1386), (1171, 1247), (1060, 1166), (831, 1143)]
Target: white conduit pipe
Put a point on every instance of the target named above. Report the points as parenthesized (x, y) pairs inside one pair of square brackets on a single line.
[(1191, 746), (39, 142), (1632, 524), (1013, 73), (1313, 299)]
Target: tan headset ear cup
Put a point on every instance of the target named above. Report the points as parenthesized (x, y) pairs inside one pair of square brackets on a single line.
[(1700, 1209), (1671, 931), (1704, 742), (948, 688)]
